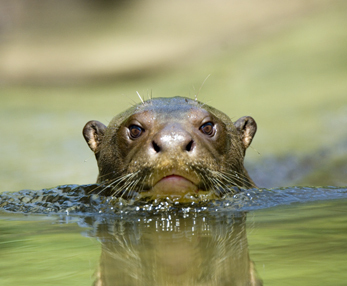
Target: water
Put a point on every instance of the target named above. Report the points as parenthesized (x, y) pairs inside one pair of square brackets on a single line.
[(254, 236), (302, 244)]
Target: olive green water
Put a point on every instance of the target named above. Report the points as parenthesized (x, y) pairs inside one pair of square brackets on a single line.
[(288, 70), (289, 75), (300, 244)]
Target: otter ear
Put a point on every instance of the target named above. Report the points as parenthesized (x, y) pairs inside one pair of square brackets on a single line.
[(93, 132), (247, 127)]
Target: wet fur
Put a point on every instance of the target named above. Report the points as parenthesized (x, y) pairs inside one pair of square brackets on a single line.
[(126, 175)]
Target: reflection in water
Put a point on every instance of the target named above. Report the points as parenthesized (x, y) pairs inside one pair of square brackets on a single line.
[(164, 243), (174, 249), (304, 243)]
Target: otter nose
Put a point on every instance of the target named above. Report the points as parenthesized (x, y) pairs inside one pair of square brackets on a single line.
[(173, 139)]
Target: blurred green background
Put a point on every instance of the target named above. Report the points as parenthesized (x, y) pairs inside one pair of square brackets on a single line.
[(63, 63)]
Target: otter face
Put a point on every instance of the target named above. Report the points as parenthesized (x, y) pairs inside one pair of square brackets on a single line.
[(171, 146)]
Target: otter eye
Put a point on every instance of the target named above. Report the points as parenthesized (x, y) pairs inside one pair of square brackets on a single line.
[(207, 128), (135, 131)]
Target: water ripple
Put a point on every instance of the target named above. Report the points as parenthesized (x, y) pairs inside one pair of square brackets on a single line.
[(77, 200)]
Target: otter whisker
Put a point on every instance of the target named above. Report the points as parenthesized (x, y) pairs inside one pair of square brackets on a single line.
[(196, 96), (116, 182), (128, 180), (230, 180), (132, 188), (239, 177), (142, 185), (100, 186), (203, 179), (106, 174), (218, 183), (140, 97), (224, 176), (233, 178), (128, 187)]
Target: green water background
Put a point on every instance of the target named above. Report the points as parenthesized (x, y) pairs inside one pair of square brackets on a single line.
[(62, 65)]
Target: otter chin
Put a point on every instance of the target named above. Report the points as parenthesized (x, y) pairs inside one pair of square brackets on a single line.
[(174, 184), (171, 147)]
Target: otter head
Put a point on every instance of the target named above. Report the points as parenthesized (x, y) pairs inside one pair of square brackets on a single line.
[(171, 146)]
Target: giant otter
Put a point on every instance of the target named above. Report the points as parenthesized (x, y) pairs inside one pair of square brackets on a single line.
[(171, 146)]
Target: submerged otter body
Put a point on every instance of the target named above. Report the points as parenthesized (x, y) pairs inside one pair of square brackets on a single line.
[(171, 146)]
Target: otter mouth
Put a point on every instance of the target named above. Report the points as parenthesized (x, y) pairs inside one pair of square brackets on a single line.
[(174, 183)]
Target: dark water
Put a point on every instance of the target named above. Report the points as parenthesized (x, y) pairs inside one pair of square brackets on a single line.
[(61, 236)]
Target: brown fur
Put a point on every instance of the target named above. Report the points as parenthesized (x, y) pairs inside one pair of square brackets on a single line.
[(172, 140)]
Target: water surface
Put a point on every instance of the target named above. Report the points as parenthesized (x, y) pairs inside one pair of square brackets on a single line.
[(228, 242)]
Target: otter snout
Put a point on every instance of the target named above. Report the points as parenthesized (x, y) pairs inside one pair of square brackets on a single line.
[(172, 138)]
